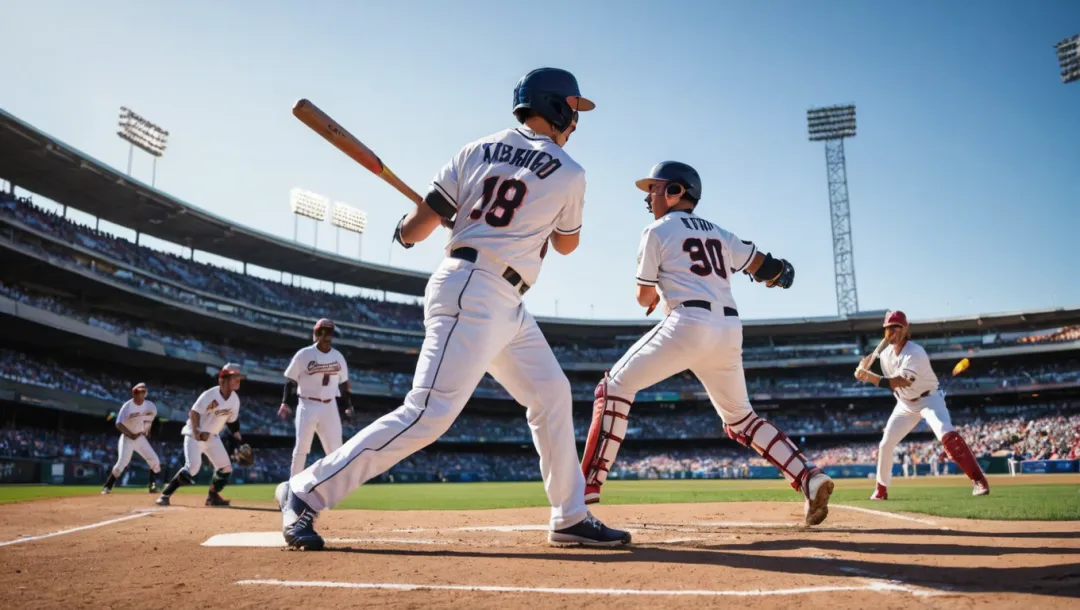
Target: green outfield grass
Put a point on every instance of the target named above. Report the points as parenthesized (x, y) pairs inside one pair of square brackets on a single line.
[(1050, 498)]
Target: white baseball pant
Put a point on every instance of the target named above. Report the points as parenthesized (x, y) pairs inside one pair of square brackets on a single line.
[(708, 343), (314, 417), (139, 445), (904, 418), (475, 322), (214, 450)]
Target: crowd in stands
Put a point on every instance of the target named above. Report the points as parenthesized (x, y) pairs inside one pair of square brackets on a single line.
[(1022, 432), (279, 304)]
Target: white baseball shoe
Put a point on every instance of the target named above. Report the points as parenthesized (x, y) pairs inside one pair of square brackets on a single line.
[(981, 488)]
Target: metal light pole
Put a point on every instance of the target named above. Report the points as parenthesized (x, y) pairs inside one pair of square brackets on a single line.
[(310, 205), (140, 132), (1068, 52), (352, 220), (832, 124)]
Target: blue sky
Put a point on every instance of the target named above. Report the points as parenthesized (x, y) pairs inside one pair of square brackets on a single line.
[(964, 177)]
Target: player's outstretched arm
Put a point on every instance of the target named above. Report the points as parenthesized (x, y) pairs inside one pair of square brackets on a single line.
[(771, 271)]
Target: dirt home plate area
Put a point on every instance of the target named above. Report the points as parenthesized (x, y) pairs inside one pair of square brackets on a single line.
[(117, 552)]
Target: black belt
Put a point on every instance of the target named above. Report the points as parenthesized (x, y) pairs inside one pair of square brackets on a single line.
[(728, 311), (322, 400), (470, 254)]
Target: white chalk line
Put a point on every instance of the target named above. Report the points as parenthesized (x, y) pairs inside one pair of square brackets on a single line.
[(882, 513), (144, 513), (875, 586)]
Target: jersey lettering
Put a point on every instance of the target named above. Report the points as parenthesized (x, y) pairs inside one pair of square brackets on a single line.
[(505, 199), (540, 163), (708, 257)]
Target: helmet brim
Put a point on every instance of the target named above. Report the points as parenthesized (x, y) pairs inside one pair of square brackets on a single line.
[(646, 184), (579, 103)]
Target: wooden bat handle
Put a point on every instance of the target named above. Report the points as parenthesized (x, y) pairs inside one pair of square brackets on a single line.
[(333, 132)]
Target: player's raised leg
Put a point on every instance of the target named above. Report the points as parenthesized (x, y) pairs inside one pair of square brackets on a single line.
[(724, 380), (901, 422), (469, 320), (529, 371), (665, 350), (937, 416)]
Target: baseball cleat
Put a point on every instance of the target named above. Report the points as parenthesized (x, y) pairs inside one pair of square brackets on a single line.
[(105, 491), (162, 501), (880, 493), (818, 488), (215, 499), (592, 494), (297, 520), (589, 532), (981, 488), (153, 489)]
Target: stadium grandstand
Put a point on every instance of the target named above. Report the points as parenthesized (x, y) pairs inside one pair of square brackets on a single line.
[(85, 315)]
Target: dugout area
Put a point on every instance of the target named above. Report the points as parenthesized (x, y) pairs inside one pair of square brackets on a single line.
[(129, 553)]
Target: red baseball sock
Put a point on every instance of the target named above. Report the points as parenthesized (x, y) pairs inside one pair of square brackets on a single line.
[(960, 453)]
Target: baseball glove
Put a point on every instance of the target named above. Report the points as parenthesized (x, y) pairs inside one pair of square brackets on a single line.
[(244, 456)]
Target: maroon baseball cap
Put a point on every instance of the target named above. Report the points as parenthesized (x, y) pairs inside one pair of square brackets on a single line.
[(895, 318)]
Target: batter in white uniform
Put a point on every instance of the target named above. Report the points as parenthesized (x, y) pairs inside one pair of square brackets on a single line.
[(318, 388), (215, 409), (687, 262), (906, 371), (134, 421), (508, 195)]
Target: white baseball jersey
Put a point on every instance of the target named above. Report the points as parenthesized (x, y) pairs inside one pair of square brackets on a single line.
[(317, 375), (137, 418), (512, 189), (214, 411), (689, 258), (913, 364)]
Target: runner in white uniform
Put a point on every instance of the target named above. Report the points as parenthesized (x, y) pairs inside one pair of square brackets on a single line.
[(508, 195), (907, 372), (687, 262), (318, 388), (134, 421), (215, 409)]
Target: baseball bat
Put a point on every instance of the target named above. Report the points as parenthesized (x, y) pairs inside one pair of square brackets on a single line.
[(877, 352), (334, 133)]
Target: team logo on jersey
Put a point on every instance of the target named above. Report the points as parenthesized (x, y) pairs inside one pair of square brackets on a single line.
[(317, 368)]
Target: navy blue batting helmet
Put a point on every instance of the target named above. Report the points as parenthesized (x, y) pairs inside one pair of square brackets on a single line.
[(673, 171), (553, 94)]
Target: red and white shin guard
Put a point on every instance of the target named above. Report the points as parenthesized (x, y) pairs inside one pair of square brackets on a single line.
[(959, 452), (606, 434), (770, 443)]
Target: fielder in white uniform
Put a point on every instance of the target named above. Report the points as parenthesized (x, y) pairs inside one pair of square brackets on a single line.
[(508, 194), (134, 421), (906, 371), (215, 409), (687, 262), (318, 388)]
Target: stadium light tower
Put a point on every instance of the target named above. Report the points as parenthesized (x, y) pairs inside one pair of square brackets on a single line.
[(137, 131), (832, 124), (352, 220), (1068, 52), (310, 205)]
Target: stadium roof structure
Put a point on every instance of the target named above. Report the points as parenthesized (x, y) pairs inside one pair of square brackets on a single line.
[(38, 162)]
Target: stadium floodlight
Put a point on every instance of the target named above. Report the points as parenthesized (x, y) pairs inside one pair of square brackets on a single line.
[(1068, 52), (832, 124), (310, 205), (352, 220), (140, 132)]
